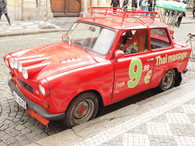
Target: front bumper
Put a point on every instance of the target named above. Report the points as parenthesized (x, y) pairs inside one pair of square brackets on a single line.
[(35, 107)]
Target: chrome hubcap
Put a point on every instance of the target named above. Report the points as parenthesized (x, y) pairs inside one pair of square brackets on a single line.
[(83, 111), (167, 80)]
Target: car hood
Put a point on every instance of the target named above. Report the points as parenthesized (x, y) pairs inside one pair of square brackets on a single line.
[(51, 59)]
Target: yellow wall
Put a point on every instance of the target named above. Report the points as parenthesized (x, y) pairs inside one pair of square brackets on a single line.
[(11, 3), (24, 3)]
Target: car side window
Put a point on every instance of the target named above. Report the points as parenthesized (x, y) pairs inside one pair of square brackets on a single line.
[(135, 41), (159, 38)]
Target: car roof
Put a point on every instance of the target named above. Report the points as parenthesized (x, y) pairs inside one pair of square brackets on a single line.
[(128, 23)]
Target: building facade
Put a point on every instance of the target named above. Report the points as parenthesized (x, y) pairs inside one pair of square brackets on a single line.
[(37, 9), (28, 9)]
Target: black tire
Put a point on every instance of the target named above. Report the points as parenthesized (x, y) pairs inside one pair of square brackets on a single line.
[(167, 81), (83, 108)]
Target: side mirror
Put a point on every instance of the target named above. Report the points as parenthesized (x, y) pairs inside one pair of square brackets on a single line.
[(63, 35), (118, 54)]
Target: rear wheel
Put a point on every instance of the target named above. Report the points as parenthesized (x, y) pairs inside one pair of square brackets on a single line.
[(167, 80), (83, 108)]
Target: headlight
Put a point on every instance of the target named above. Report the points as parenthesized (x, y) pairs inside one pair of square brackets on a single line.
[(11, 61), (42, 89), (15, 63), (24, 73), (19, 67)]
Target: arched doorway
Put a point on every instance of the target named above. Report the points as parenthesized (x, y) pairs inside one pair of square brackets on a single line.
[(66, 7)]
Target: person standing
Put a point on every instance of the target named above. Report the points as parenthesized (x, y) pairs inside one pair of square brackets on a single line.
[(125, 4), (115, 3), (144, 5), (3, 10), (180, 16), (134, 4), (150, 6)]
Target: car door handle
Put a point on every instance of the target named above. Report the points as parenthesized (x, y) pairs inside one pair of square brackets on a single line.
[(151, 59)]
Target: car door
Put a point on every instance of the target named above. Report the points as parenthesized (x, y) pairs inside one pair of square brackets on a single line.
[(161, 51), (133, 71)]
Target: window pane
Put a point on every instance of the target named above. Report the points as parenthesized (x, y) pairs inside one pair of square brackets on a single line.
[(91, 37), (135, 42), (159, 39)]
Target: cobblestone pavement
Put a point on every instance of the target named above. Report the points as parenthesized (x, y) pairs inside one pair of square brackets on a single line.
[(17, 128)]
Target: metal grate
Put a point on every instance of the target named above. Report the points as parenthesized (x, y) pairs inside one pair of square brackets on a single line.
[(26, 86)]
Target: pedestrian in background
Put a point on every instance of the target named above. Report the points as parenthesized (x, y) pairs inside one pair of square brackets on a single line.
[(193, 12), (150, 6), (125, 4), (134, 4), (115, 3), (144, 5), (180, 16), (179, 19), (3, 10), (140, 2)]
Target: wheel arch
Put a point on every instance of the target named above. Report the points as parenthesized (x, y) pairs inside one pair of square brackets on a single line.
[(178, 77), (99, 97), (175, 68)]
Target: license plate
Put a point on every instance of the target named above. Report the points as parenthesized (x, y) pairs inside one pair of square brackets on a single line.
[(19, 100)]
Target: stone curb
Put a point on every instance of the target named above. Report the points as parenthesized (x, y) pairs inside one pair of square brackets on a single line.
[(27, 32)]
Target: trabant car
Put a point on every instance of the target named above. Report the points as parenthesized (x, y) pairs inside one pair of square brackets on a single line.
[(100, 60)]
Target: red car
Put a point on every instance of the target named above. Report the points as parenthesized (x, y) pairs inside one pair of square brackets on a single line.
[(100, 60)]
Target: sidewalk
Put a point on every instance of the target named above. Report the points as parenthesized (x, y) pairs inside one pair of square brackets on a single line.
[(54, 25), (171, 124), (24, 27), (189, 17)]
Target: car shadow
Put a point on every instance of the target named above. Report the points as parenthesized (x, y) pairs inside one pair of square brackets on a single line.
[(57, 126), (128, 101)]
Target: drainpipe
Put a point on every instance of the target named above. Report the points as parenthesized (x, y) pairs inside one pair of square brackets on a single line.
[(22, 10), (46, 12), (38, 15)]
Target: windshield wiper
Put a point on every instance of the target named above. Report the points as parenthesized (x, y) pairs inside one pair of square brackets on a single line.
[(84, 47), (69, 40)]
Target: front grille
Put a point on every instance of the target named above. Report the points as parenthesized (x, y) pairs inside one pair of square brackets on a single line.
[(26, 86)]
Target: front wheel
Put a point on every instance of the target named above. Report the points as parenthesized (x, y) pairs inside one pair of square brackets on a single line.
[(83, 108), (167, 80)]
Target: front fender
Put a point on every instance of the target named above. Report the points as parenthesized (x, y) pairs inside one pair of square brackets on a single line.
[(66, 86)]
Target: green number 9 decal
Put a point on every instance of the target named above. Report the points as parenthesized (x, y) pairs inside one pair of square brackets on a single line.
[(135, 75)]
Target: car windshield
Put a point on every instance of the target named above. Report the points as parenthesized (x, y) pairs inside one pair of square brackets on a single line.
[(91, 37)]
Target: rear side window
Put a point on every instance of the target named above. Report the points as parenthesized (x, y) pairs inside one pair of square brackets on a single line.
[(159, 39)]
